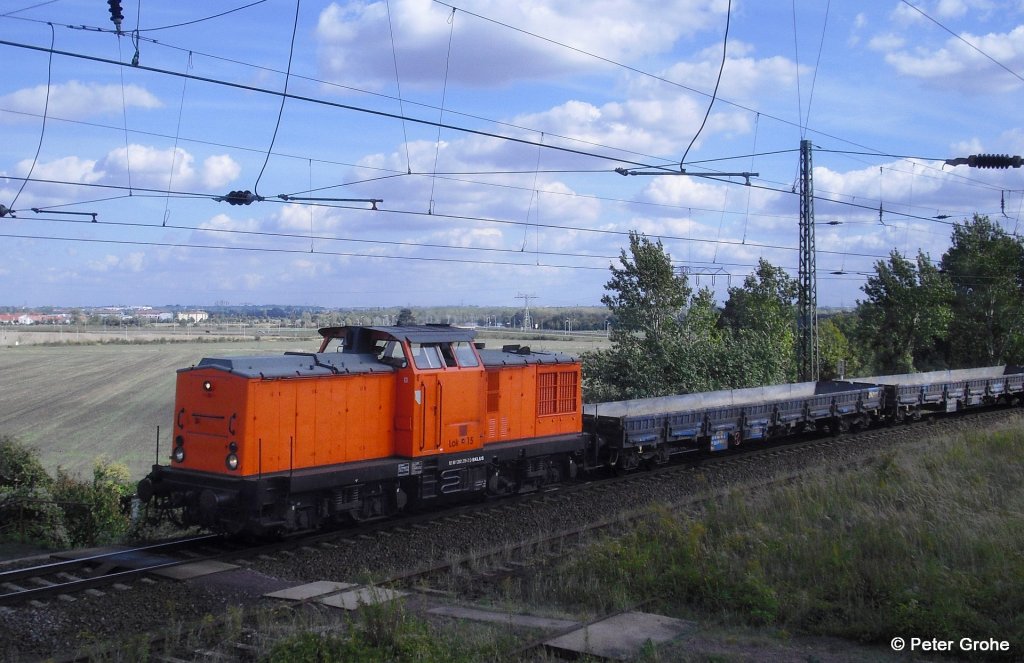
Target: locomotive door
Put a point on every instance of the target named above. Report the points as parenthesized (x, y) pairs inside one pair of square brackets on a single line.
[(429, 396), (439, 407)]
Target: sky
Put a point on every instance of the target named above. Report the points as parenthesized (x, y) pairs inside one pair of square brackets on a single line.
[(419, 153)]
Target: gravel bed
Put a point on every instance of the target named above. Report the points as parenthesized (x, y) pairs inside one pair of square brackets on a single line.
[(62, 628)]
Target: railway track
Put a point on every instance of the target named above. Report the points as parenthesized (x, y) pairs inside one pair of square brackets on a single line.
[(69, 576), (491, 561), (81, 573)]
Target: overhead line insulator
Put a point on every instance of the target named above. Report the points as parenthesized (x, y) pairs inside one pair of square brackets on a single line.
[(116, 15), (1000, 161), (239, 198)]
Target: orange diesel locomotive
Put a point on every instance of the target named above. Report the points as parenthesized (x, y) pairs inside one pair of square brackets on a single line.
[(378, 420)]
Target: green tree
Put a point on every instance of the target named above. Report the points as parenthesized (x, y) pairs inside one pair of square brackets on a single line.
[(646, 300), (761, 315), (645, 295), (836, 358), (406, 317), (906, 312), (986, 268), (705, 361)]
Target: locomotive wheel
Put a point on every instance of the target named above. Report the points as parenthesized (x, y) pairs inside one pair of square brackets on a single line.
[(630, 461)]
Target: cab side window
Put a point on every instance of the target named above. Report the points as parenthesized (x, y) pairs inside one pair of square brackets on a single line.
[(426, 355), (464, 353)]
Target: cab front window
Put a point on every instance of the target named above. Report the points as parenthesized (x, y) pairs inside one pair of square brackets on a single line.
[(391, 353)]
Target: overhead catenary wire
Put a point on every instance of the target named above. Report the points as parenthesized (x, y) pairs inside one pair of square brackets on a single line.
[(42, 131), (454, 217), (552, 226), (203, 19), (796, 61), (817, 64), (284, 199), (444, 92), (329, 238), (825, 195), (124, 117), (436, 173), (177, 133), (398, 84), (284, 96), (30, 7), (918, 159), (410, 258), (327, 103), (472, 116), (718, 81)]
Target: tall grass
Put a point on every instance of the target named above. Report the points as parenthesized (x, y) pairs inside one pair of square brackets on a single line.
[(923, 541), (386, 632)]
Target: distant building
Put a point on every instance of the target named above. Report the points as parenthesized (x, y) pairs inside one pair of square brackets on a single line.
[(156, 316), (193, 316), (34, 319)]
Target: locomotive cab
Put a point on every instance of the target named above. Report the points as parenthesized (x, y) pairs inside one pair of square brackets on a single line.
[(440, 383)]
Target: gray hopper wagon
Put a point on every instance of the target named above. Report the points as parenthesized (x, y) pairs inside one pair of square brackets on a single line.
[(654, 429), (912, 395)]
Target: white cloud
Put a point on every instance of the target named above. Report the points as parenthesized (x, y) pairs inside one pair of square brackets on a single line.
[(744, 76), (684, 191), (951, 8), (75, 100), (223, 229), (143, 166), (958, 64), (64, 169), (355, 38), (886, 42), (132, 263), (219, 170)]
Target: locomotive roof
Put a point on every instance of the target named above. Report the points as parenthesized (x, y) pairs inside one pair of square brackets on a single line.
[(411, 333), (296, 364), (515, 355)]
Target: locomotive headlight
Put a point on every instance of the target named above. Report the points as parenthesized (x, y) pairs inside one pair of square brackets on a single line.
[(231, 461), (207, 386), (178, 454)]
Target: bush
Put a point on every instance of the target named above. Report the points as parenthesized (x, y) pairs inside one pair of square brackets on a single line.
[(93, 511), (20, 466), (28, 512), (30, 515), (61, 512)]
